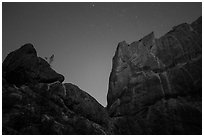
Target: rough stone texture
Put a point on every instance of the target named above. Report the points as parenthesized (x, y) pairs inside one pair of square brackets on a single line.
[(36, 102), (52, 109), (82, 102), (155, 86), (22, 66)]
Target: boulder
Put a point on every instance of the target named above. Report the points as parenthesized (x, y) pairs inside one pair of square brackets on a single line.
[(23, 66), (35, 101)]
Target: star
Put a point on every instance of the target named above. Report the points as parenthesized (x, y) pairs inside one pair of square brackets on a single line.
[(92, 5)]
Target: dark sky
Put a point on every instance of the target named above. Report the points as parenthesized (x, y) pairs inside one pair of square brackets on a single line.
[(84, 36)]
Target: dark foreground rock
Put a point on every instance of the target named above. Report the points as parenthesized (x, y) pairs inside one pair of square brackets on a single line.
[(36, 102), (23, 66), (155, 85), (52, 109)]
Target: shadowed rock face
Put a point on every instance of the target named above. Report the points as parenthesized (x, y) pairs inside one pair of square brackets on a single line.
[(47, 109), (155, 87), (82, 102), (22, 66), (155, 84), (41, 104)]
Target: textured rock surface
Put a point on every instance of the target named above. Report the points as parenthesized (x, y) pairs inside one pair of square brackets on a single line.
[(22, 66), (36, 102), (83, 103), (155, 86), (52, 109)]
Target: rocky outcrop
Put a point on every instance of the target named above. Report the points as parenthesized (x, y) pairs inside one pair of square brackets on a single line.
[(23, 66), (155, 86), (36, 102), (52, 109), (82, 102)]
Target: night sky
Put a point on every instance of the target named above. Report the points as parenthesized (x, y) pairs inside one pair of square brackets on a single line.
[(84, 36)]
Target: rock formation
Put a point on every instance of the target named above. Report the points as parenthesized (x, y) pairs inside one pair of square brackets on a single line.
[(155, 87), (22, 66), (36, 102)]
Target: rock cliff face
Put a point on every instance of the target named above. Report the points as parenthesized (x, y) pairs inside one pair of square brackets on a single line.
[(155, 87), (36, 102), (51, 109)]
